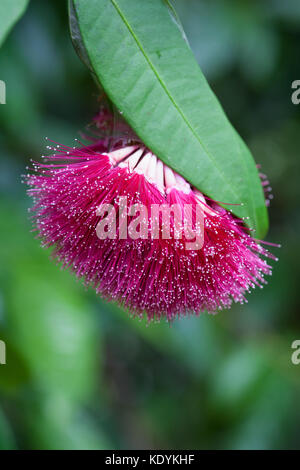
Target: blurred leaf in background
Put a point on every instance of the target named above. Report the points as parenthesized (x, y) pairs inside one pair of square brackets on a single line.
[(81, 373), (10, 12)]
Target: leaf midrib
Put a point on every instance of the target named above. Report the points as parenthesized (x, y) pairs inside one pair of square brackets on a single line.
[(163, 85)]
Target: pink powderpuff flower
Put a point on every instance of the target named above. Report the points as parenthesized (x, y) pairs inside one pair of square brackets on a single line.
[(156, 276)]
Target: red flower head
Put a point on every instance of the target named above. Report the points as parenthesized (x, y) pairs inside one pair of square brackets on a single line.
[(117, 215)]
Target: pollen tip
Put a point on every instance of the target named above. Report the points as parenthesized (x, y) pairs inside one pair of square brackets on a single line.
[(159, 278)]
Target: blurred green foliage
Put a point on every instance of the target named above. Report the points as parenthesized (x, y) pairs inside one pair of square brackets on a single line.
[(10, 12), (82, 374)]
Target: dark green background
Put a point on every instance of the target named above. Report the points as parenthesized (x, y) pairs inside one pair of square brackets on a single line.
[(81, 373)]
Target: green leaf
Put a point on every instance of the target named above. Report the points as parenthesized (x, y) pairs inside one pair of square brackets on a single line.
[(141, 59), (7, 441), (54, 331), (10, 12), (53, 422)]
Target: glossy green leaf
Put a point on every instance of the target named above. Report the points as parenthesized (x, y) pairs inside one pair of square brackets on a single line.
[(10, 12), (140, 57)]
